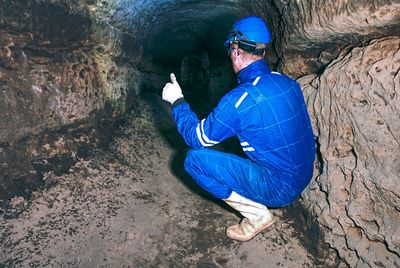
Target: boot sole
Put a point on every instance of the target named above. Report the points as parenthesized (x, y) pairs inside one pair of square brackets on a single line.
[(259, 230)]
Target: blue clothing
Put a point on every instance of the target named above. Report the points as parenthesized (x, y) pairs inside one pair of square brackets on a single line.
[(268, 115)]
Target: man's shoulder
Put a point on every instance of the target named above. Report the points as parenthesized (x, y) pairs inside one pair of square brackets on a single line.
[(236, 92), (281, 78), (232, 97)]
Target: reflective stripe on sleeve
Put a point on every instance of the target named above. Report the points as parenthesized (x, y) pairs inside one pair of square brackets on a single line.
[(201, 135), (246, 146)]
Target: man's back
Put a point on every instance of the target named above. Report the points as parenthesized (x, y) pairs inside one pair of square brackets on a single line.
[(274, 123)]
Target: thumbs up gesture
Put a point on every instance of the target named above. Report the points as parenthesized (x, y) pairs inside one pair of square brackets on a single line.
[(172, 91)]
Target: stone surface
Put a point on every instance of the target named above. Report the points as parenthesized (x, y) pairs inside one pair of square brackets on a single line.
[(310, 34), (355, 196), (70, 69), (63, 77)]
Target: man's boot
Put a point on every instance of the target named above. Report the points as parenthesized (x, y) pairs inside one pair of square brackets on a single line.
[(257, 218)]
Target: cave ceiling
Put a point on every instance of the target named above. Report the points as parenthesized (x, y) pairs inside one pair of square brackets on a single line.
[(170, 30)]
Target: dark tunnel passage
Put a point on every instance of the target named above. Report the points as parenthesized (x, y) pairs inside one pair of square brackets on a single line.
[(187, 40), (91, 163)]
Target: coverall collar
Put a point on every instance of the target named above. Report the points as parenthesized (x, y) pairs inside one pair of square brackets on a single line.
[(251, 72)]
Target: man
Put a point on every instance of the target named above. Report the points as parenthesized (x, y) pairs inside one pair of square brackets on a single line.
[(268, 115)]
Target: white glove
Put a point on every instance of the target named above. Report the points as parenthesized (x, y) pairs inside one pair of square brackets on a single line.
[(172, 91)]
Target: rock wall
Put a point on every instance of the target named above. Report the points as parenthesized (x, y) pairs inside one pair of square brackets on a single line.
[(65, 78), (70, 69), (355, 196), (346, 55), (310, 34)]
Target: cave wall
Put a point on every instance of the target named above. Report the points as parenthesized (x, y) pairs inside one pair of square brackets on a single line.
[(355, 195), (65, 82), (312, 33), (346, 55), (65, 79)]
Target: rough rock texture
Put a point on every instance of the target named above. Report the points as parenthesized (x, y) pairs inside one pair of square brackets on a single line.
[(353, 99), (310, 34), (323, 22), (70, 69), (63, 77), (356, 195)]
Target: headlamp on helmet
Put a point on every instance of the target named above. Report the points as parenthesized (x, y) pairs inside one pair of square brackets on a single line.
[(250, 34)]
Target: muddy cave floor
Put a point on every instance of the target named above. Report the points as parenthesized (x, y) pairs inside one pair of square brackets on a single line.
[(132, 205)]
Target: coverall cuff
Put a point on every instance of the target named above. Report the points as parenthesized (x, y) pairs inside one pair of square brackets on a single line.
[(177, 102), (227, 195)]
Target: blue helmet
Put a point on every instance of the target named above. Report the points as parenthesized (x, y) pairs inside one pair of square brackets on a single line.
[(247, 31)]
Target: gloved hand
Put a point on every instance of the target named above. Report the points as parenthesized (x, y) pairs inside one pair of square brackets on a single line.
[(172, 91)]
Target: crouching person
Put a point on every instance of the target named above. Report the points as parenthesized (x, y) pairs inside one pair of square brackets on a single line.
[(268, 115)]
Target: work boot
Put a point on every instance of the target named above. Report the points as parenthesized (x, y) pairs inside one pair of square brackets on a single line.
[(257, 218)]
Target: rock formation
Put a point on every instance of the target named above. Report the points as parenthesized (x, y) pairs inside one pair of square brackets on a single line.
[(355, 197), (69, 70), (353, 100), (64, 76)]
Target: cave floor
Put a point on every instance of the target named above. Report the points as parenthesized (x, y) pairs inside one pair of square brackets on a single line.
[(132, 205)]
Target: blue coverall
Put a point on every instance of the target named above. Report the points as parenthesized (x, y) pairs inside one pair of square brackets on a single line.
[(267, 113)]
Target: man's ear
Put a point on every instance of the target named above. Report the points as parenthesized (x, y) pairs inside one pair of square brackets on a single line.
[(235, 55)]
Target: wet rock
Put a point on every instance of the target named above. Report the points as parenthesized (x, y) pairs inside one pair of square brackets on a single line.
[(355, 194)]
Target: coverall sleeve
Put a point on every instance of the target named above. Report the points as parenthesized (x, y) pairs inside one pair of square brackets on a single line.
[(220, 124)]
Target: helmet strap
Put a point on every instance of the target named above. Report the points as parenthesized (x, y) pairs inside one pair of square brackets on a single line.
[(251, 47)]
